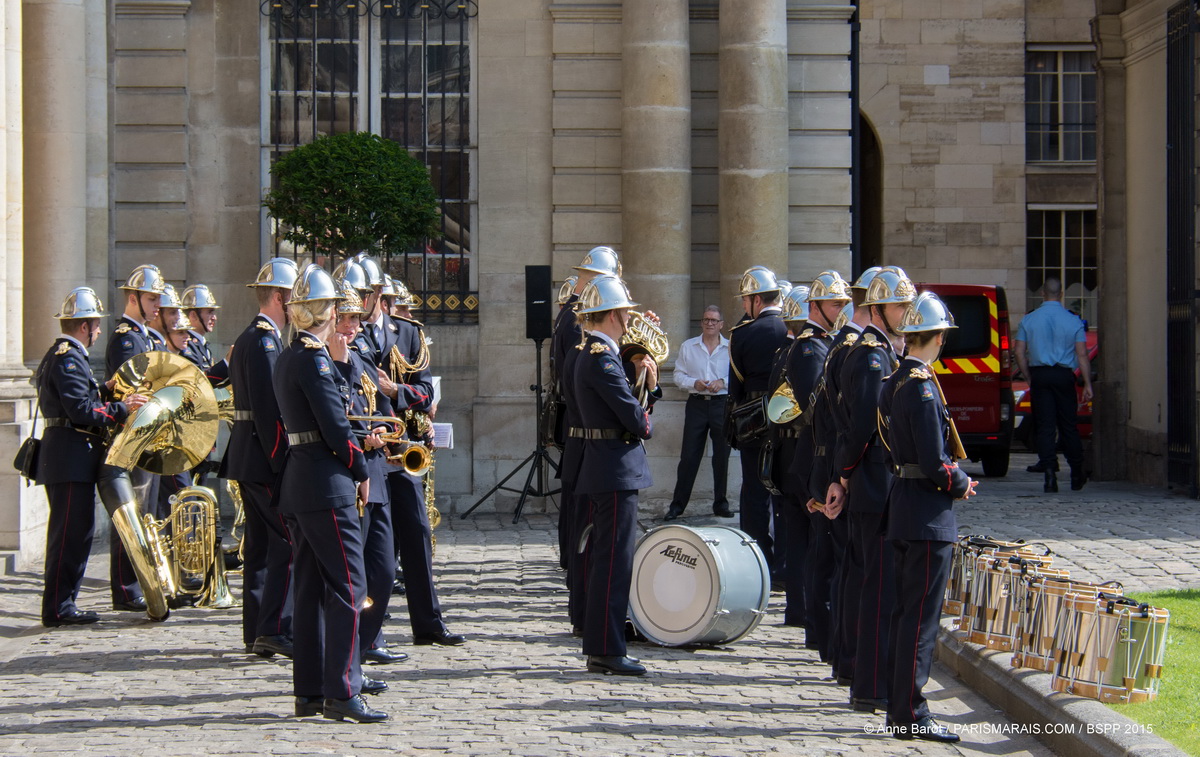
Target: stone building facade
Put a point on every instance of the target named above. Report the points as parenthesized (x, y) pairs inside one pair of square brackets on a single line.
[(698, 138)]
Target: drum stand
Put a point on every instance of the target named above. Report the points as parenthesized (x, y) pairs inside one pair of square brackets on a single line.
[(540, 458)]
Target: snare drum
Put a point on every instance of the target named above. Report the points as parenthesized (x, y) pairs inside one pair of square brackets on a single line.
[(698, 585), (1043, 617), (999, 591), (1113, 650), (962, 565)]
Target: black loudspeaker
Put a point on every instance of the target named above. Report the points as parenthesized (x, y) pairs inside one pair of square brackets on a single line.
[(538, 291)]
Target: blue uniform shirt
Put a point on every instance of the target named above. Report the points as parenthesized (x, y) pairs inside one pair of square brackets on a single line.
[(1051, 333)]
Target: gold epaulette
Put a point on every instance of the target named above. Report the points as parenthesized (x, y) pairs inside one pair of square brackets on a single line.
[(311, 343), (919, 373), (124, 328), (63, 348), (599, 347), (413, 321), (870, 341), (852, 337), (264, 326), (806, 334), (739, 324)]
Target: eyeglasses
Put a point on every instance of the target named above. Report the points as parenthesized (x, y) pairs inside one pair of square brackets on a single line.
[(711, 320)]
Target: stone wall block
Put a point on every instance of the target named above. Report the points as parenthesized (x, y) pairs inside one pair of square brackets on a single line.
[(151, 185), (142, 145), (131, 107), (153, 225), (150, 70), (587, 113), (150, 34), (587, 75)]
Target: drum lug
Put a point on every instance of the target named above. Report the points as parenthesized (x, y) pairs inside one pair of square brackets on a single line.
[(714, 542)]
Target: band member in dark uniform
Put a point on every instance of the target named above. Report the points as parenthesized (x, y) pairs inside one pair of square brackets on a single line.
[(865, 477), (73, 449), (130, 337), (807, 361), (201, 308), (612, 426), (752, 346), (324, 484), (254, 458), (920, 521), (170, 334), (573, 516)]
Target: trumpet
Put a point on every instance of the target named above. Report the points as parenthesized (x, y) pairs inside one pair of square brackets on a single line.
[(413, 456)]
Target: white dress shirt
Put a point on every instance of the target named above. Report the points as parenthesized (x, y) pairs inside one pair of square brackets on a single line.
[(694, 363)]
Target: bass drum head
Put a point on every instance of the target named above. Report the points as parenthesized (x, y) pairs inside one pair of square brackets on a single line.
[(678, 595)]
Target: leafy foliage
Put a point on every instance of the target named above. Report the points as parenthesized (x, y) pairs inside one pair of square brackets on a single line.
[(344, 193)]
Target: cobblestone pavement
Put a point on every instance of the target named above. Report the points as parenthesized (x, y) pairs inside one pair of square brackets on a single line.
[(129, 687)]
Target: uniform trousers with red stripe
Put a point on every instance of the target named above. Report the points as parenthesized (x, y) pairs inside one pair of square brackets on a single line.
[(876, 598), (819, 568), (267, 570), (577, 561), (331, 588), (922, 569), (610, 570), (69, 532)]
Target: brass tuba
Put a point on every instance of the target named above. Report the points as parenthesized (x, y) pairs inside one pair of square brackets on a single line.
[(783, 408), (171, 433), (643, 337), (187, 539)]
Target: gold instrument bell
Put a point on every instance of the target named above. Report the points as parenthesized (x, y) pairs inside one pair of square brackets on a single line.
[(177, 427), (782, 408), (642, 337)]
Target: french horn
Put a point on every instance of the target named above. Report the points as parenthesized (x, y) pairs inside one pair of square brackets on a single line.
[(642, 337)]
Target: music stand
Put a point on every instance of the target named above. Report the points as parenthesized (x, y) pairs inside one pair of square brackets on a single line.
[(539, 458)]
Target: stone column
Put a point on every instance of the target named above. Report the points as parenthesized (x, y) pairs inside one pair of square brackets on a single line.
[(656, 191), (55, 136), (752, 141)]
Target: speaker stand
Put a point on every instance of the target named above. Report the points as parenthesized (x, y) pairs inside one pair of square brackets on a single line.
[(538, 461)]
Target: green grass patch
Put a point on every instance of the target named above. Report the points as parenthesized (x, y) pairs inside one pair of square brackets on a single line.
[(1175, 714)]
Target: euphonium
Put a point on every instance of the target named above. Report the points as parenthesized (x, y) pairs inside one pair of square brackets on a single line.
[(188, 541), (782, 408), (643, 337)]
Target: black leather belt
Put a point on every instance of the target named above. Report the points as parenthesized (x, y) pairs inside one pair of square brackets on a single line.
[(707, 397), (304, 437), (789, 433), (908, 470), (66, 423), (601, 433), (243, 415)]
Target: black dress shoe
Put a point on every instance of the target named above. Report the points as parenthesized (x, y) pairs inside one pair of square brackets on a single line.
[(72, 618), (398, 587), (722, 510), (615, 666), (926, 729), (383, 656), (269, 646), (863, 704), (371, 686), (306, 707), (1038, 467), (1077, 482), (355, 708), (1051, 482), (441, 638), (673, 512), (577, 631), (133, 605)]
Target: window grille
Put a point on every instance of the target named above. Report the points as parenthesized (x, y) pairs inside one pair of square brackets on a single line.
[(1062, 244), (1060, 106)]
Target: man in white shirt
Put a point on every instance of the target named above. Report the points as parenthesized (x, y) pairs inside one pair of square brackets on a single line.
[(700, 369)]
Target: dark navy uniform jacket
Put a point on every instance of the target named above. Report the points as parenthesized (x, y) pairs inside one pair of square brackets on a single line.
[(825, 419), (256, 447), (917, 426), (783, 441), (860, 452), (322, 474), (129, 338), (752, 347), (605, 401), (67, 389), (566, 334), (198, 352), (806, 361), (415, 391), (352, 374)]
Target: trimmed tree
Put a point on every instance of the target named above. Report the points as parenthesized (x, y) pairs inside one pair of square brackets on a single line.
[(344, 193)]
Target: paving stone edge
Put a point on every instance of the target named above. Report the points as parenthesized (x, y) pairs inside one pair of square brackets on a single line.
[(1062, 719)]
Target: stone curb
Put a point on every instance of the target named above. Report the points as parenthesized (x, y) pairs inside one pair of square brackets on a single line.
[(1070, 725)]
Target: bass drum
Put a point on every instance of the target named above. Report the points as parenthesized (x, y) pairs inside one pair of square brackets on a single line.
[(698, 585)]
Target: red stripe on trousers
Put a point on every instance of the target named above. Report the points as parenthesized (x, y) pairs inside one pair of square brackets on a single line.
[(917, 639), (353, 601)]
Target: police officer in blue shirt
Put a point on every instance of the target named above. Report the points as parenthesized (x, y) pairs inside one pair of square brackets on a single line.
[(75, 418), (323, 490), (254, 458), (612, 425), (920, 523), (130, 337), (865, 477)]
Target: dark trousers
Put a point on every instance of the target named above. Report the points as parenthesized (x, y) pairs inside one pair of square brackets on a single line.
[(122, 579), (566, 523), (69, 532), (754, 515), (610, 570), (577, 561), (844, 603), (795, 547), (819, 568), (331, 587), (410, 522), (703, 419), (922, 569), (1054, 406), (876, 598), (379, 562), (267, 570)]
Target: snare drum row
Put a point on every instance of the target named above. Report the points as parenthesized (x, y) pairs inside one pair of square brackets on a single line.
[(1096, 642)]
